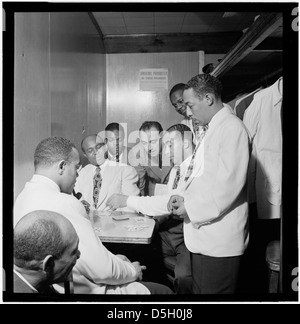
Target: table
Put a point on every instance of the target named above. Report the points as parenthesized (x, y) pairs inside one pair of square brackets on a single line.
[(136, 228)]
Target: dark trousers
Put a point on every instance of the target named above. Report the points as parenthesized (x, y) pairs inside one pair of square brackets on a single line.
[(172, 244), (213, 275)]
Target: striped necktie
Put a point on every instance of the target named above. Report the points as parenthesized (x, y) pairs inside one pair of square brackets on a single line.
[(176, 179), (191, 165), (97, 182)]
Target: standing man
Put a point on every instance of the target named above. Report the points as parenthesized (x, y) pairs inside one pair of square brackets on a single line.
[(45, 251), (214, 204), (176, 98)]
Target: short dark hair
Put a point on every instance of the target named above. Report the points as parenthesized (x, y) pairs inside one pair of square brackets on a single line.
[(81, 144), (114, 127), (182, 129), (203, 84), (147, 125), (178, 86), (42, 238), (51, 150)]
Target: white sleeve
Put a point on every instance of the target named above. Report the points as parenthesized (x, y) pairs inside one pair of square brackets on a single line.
[(152, 206), (96, 262)]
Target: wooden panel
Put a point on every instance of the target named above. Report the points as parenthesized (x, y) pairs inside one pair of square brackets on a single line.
[(126, 104), (77, 82), (31, 92)]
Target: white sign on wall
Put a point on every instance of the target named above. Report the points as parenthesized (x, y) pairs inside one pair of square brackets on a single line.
[(153, 79)]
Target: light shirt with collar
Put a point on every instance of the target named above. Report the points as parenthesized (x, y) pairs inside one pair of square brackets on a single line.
[(117, 177), (97, 271)]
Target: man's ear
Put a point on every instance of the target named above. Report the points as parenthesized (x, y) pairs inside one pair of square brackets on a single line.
[(209, 99), (48, 264), (61, 166)]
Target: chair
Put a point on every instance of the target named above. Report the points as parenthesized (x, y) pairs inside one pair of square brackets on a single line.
[(273, 263), (69, 285)]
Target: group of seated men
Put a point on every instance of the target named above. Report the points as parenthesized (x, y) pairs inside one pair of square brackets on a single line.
[(191, 178), (115, 175)]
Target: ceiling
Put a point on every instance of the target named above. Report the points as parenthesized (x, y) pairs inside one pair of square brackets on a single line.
[(211, 32)]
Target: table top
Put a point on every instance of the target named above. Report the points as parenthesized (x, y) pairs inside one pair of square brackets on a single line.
[(123, 227)]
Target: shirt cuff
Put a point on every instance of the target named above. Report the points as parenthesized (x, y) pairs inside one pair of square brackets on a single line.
[(133, 202)]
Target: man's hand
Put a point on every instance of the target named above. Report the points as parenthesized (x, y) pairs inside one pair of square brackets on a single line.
[(139, 268), (86, 206), (176, 206), (116, 201)]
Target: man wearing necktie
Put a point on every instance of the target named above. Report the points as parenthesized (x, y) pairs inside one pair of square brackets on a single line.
[(214, 203), (102, 177), (178, 147)]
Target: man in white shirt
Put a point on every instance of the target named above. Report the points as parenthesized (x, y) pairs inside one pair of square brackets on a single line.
[(98, 271), (45, 252), (214, 204), (115, 177), (178, 146)]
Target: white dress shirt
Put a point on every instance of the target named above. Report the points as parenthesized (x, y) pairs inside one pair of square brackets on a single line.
[(116, 178), (263, 120), (97, 271)]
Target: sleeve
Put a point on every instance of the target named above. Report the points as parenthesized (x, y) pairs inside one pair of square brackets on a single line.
[(151, 206), (210, 195), (97, 263), (129, 181)]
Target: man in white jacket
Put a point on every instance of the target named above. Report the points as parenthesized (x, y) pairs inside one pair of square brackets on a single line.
[(98, 271), (214, 204)]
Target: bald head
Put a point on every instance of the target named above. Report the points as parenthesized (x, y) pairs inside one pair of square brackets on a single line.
[(41, 233)]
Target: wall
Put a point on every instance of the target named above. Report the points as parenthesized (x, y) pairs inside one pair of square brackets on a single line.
[(125, 103), (32, 110), (77, 80), (59, 83)]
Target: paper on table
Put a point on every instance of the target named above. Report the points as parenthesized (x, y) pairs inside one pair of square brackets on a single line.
[(161, 189)]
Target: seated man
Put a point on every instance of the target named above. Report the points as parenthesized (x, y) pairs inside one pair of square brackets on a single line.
[(179, 147), (97, 182), (148, 159), (45, 251), (98, 271)]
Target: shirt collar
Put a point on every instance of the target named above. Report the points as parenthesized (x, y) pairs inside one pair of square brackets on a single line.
[(219, 116)]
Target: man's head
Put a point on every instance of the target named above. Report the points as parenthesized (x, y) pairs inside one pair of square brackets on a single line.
[(176, 98), (178, 143), (114, 139), (150, 137), (45, 247), (58, 159), (90, 147), (202, 97)]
